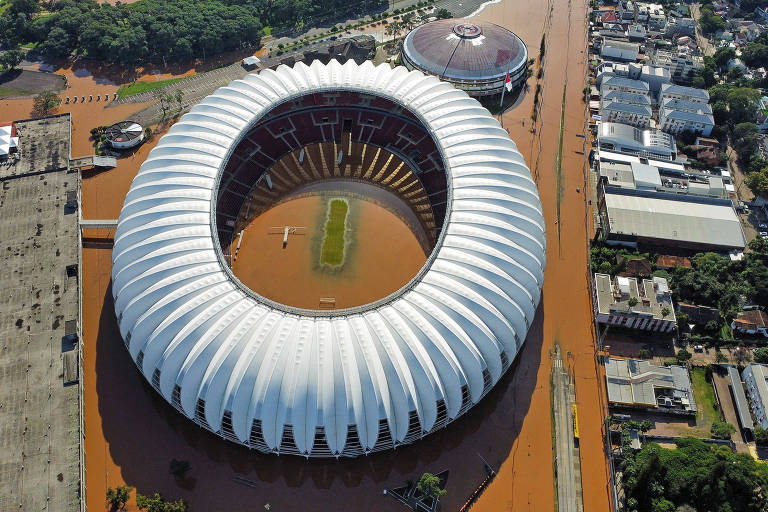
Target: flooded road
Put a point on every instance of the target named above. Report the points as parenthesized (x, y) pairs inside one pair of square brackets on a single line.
[(132, 434)]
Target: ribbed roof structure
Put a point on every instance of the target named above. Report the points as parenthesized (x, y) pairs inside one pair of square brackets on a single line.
[(459, 50), (319, 383)]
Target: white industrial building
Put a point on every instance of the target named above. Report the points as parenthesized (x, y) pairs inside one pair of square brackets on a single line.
[(327, 383), (690, 221), (623, 138), (624, 302), (755, 378), (622, 84), (619, 50), (638, 383)]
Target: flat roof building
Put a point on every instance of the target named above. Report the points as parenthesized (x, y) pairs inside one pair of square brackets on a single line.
[(637, 383), (648, 143), (626, 303), (739, 398), (696, 223)]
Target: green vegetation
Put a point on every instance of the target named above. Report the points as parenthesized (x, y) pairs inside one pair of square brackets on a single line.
[(117, 498), (722, 430), (761, 355), (695, 475), (10, 59), (8, 92), (709, 21), (161, 31), (429, 485), (335, 227), (682, 356), (715, 280), (761, 436), (156, 503), (45, 103), (139, 87), (706, 409)]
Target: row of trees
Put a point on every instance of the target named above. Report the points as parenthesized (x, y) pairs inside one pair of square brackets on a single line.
[(411, 20), (118, 498), (159, 30)]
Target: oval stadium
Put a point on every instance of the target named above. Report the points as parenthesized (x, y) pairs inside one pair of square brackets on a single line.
[(329, 260), (474, 57)]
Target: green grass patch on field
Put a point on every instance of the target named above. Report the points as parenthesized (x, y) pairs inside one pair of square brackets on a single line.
[(10, 92), (139, 87), (332, 252), (706, 409)]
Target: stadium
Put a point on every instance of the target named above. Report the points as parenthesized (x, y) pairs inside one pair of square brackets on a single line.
[(244, 282), (474, 57)]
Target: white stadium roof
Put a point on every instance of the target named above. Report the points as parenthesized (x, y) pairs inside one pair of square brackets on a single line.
[(257, 372)]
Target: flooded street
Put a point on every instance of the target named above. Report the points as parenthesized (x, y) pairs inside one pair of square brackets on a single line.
[(131, 434)]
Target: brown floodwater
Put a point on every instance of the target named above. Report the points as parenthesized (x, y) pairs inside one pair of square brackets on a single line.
[(380, 256), (131, 434)]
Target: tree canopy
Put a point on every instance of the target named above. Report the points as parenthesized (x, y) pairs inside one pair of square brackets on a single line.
[(161, 30), (695, 475)]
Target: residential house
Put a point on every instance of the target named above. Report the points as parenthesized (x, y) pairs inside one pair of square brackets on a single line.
[(637, 383), (617, 83), (761, 116), (679, 92), (751, 322), (680, 27), (681, 67), (677, 116), (625, 107), (699, 315)]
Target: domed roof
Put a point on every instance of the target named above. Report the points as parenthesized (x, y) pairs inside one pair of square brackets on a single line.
[(458, 49), (265, 375)]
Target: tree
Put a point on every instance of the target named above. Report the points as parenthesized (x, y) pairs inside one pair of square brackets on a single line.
[(683, 355), (156, 503), (665, 311), (742, 104), (723, 56), (179, 97), (45, 103), (645, 426), (742, 356), (745, 139), (761, 355), (722, 430), (179, 468), (632, 302), (57, 44), (10, 59), (644, 354), (443, 14), (429, 485), (758, 182), (761, 436), (710, 22), (117, 498), (720, 358)]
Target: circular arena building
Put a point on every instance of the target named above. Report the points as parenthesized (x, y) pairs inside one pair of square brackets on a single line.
[(125, 134), (322, 382), (474, 57)]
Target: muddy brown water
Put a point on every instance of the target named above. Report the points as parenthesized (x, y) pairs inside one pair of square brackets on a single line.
[(381, 255), (131, 434)]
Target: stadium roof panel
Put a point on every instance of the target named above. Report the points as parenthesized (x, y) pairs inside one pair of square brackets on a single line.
[(319, 383)]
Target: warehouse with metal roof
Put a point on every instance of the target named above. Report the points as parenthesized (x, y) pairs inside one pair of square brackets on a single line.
[(632, 217)]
